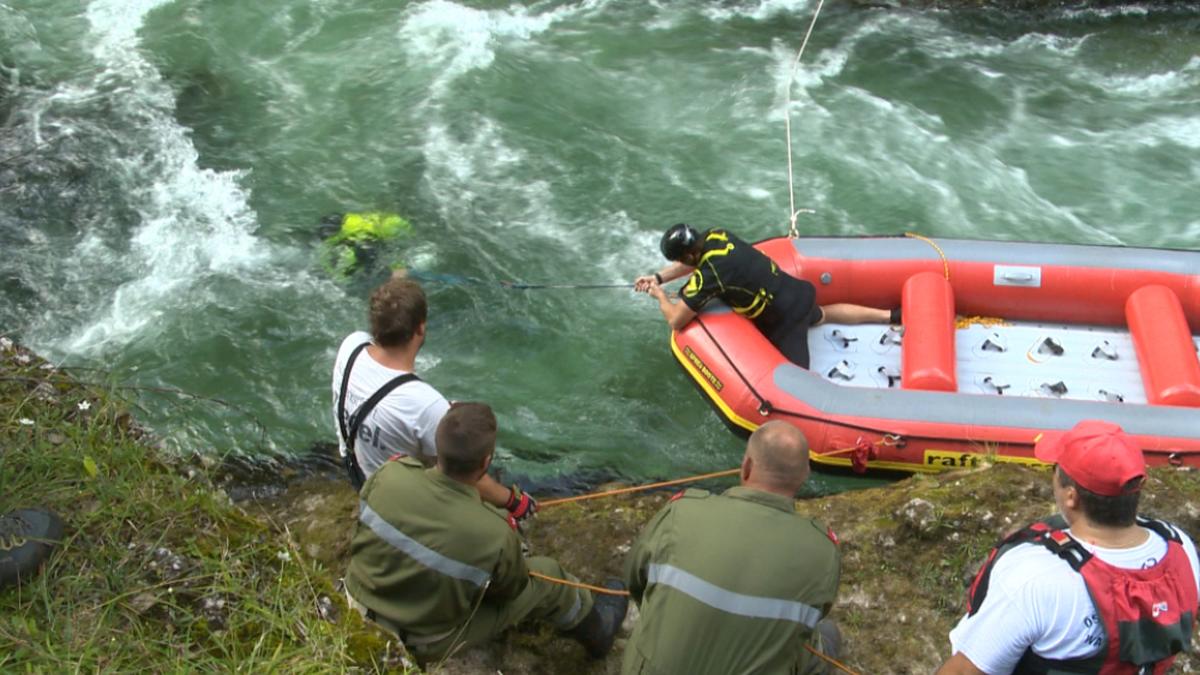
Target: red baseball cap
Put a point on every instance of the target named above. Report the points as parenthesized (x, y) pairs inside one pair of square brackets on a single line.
[(1097, 455)]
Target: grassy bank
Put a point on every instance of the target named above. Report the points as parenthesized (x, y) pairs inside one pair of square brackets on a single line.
[(159, 572)]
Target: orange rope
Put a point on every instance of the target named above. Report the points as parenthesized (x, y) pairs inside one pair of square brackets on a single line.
[(636, 488), (843, 451), (690, 479), (576, 584), (830, 659)]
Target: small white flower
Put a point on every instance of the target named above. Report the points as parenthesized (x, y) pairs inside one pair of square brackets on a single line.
[(25, 422), (5, 343), (23, 359), (85, 405), (284, 556)]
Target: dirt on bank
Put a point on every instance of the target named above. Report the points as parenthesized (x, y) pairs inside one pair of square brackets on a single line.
[(909, 551)]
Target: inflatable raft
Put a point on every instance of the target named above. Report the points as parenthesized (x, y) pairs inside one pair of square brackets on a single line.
[(1000, 342)]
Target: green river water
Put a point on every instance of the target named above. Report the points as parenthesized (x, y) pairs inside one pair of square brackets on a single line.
[(164, 166)]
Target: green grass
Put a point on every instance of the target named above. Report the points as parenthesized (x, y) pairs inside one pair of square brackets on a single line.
[(159, 572)]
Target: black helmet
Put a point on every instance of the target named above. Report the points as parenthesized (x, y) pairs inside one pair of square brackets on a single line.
[(678, 239)]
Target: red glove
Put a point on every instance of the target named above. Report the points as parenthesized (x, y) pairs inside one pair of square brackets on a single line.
[(520, 505)]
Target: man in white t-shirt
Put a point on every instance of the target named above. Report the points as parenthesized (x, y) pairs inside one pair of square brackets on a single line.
[(1096, 587), (405, 410)]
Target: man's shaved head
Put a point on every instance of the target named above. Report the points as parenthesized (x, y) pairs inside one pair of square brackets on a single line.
[(779, 455)]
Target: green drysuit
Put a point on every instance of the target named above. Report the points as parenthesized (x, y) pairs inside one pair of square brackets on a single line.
[(730, 583), (441, 568)]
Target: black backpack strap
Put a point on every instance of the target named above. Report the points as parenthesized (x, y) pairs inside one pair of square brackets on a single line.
[(341, 402), (350, 429), (1062, 545), (1161, 528)]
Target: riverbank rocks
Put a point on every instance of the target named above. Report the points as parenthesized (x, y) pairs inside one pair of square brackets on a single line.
[(920, 516)]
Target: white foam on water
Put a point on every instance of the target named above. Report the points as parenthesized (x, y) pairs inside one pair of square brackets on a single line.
[(1160, 85), (1046, 45), (469, 161), (455, 40), (464, 166), (814, 69), (194, 221), (766, 9), (1106, 12), (1183, 131)]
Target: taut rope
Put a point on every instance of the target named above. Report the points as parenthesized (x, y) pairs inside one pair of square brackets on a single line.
[(787, 118)]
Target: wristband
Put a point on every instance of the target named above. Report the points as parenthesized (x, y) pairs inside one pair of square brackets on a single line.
[(658, 278)]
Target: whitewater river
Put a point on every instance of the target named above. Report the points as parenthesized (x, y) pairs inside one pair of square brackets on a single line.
[(164, 167)]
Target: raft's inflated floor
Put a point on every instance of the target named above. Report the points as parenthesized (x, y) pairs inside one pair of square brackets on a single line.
[(1090, 363)]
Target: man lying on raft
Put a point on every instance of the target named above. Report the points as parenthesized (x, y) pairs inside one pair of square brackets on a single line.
[(723, 266)]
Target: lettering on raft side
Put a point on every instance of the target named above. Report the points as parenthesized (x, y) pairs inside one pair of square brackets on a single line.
[(956, 460), (702, 369)]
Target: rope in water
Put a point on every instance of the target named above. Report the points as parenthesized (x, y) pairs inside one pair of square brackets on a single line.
[(787, 119)]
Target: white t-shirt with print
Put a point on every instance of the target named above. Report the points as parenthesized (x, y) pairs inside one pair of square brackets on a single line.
[(1035, 599), (404, 422)]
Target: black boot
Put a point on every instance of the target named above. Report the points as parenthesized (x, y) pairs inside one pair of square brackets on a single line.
[(599, 628), (26, 539)]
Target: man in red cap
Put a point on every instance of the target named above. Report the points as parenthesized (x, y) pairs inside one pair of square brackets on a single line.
[(1097, 587)]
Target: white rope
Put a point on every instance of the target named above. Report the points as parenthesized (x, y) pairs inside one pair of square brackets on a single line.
[(793, 232)]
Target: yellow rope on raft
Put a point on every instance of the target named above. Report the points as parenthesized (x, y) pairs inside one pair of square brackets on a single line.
[(927, 240), (961, 322)]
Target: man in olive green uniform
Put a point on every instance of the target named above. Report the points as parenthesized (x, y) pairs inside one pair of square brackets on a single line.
[(444, 570), (737, 582)]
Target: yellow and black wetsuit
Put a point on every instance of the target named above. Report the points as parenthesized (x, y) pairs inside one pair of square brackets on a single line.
[(780, 305)]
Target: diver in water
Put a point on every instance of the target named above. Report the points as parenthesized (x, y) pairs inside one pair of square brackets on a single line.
[(351, 244)]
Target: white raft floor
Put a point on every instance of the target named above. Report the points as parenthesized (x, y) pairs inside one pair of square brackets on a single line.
[(1095, 363)]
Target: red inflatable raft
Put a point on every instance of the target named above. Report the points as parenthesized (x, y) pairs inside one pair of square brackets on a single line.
[(1001, 341)]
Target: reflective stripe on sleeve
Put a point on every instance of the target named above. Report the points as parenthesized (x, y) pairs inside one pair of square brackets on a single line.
[(418, 551), (734, 603)]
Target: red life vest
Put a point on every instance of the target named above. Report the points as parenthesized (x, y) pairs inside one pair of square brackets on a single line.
[(1147, 614)]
